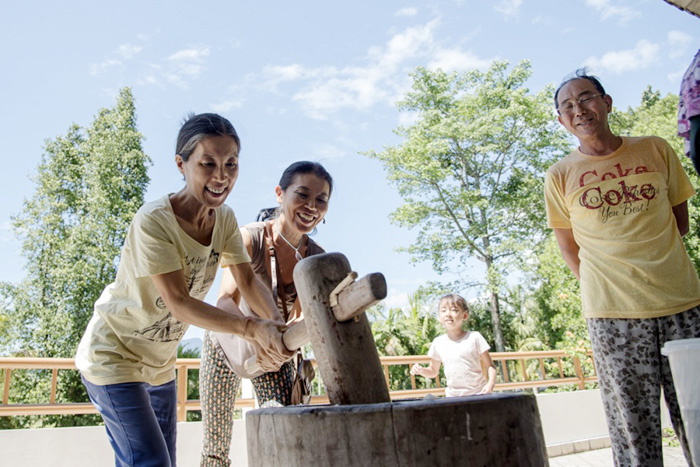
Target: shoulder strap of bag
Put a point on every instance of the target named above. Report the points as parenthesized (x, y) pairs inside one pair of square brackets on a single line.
[(277, 290)]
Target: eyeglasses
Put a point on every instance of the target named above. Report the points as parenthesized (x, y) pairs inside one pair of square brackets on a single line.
[(585, 101)]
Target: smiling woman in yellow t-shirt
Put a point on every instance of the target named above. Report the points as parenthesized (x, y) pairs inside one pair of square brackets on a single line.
[(167, 265)]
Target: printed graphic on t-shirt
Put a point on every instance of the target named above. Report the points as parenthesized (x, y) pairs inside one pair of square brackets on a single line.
[(167, 329), (199, 277), (613, 196), (198, 281)]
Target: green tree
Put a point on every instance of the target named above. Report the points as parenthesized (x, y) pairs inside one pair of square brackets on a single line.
[(192, 381), (560, 324), (470, 171), (657, 116), (89, 184), (407, 331)]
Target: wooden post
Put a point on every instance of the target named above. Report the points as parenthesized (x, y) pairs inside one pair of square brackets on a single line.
[(54, 382), (345, 352), (524, 368), (6, 387), (182, 393), (351, 301), (579, 373)]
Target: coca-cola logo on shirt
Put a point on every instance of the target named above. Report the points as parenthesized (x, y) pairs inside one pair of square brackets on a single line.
[(596, 198)]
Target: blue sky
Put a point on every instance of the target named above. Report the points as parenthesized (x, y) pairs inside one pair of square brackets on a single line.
[(311, 80)]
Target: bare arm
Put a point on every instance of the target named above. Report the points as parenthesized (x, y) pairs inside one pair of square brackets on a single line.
[(680, 212), (491, 370), (229, 295), (569, 249), (254, 292), (430, 371), (265, 335), (230, 292), (173, 289)]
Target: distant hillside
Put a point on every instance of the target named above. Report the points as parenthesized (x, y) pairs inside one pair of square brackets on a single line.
[(192, 344)]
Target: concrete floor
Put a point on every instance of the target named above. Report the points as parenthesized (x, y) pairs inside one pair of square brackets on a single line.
[(673, 457)]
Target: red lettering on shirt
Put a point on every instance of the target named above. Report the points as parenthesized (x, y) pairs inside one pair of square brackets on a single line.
[(591, 176)]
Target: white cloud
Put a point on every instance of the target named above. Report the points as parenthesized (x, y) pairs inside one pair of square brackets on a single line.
[(404, 45), (409, 11), (611, 9), (189, 61), (102, 67), (678, 42), (327, 151), (117, 58), (149, 79), (177, 69), (616, 62), (508, 7), (128, 51), (276, 74), (380, 79), (396, 299), (455, 59), (227, 105), (189, 55)]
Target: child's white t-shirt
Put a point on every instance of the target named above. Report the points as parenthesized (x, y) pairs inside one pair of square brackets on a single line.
[(462, 360)]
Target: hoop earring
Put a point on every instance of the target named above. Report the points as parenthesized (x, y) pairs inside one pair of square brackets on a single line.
[(323, 221)]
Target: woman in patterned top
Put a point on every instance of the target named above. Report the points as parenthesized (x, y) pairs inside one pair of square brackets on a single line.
[(275, 246)]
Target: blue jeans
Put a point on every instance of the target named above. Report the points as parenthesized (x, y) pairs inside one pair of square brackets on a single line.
[(141, 421)]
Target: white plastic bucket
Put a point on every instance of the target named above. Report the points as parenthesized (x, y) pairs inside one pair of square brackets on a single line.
[(684, 359)]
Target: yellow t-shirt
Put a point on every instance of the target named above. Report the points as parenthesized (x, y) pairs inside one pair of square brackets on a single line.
[(132, 336), (619, 207)]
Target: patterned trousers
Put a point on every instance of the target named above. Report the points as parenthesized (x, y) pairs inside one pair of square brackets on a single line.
[(631, 373), (218, 386)]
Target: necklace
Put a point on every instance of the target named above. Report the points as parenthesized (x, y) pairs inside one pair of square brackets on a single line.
[(297, 255)]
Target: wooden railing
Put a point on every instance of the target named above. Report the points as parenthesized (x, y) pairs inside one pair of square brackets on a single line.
[(517, 370)]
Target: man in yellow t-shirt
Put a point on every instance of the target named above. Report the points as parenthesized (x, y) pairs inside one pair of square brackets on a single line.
[(618, 207)]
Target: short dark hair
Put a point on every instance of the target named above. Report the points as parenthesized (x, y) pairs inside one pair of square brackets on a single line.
[(197, 127), (581, 73), (453, 298)]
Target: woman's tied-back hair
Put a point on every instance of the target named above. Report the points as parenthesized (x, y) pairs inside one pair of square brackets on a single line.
[(297, 168), (581, 73), (454, 299), (201, 126), (305, 167), (266, 214)]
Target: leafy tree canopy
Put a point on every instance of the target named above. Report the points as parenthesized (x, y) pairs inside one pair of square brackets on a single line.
[(470, 170), (89, 184)]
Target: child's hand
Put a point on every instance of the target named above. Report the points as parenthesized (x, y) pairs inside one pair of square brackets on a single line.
[(416, 369)]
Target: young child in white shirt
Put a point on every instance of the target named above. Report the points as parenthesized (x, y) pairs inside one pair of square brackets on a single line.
[(462, 352)]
